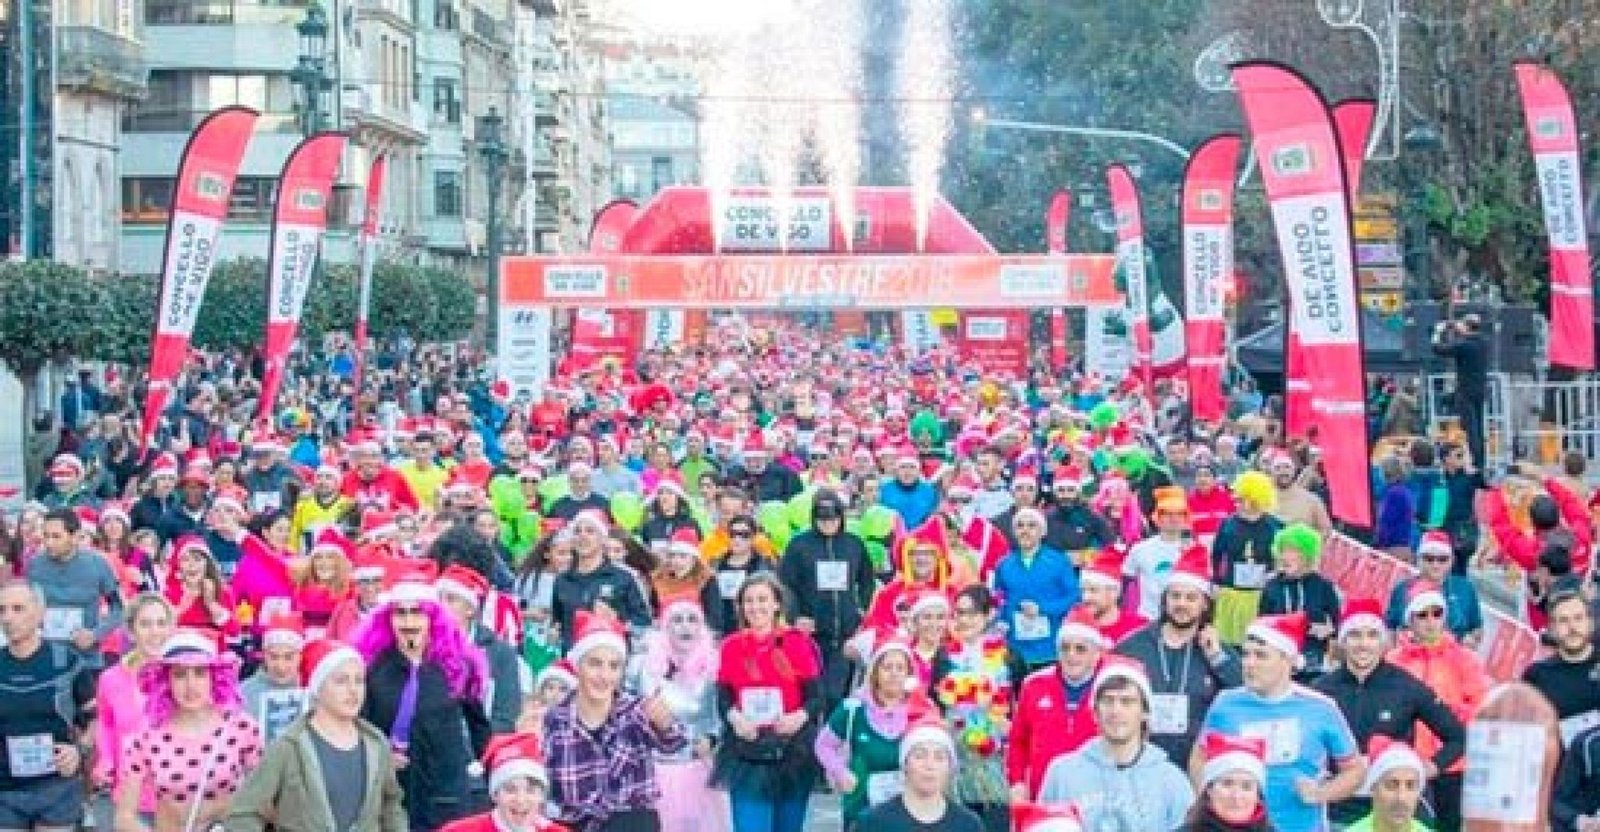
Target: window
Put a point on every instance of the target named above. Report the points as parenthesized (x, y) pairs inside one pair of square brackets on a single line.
[(146, 200), (444, 16), (446, 106), (249, 90), (252, 199), (447, 193), (660, 173)]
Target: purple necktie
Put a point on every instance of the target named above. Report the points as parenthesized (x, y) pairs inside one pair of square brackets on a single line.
[(401, 732)]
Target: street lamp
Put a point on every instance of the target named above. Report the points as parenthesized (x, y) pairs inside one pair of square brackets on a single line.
[(1420, 145), (981, 121), (492, 148), (310, 74)]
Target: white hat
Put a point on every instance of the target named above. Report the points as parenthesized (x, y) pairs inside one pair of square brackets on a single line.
[(925, 732), (1389, 755), (594, 632)]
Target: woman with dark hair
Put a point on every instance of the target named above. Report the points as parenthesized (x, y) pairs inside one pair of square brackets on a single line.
[(463, 544), (975, 675), (425, 686), (198, 744), (1231, 785), (770, 699), (196, 589), (667, 512)]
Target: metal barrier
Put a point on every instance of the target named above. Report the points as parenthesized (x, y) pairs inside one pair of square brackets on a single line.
[(1499, 432), (1526, 418)]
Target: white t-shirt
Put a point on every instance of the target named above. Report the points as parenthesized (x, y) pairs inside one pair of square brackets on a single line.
[(1150, 562)]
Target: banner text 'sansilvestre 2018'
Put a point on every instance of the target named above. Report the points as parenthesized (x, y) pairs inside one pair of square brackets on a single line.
[(810, 281)]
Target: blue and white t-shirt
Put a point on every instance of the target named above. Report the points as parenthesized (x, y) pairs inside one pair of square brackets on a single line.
[(1305, 734)]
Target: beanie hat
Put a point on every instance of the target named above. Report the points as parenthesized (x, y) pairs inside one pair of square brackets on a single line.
[(594, 632), (319, 660), (1224, 754), (1301, 538)]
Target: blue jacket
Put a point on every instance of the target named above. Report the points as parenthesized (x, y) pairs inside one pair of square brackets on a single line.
[(914, 505), (1051, 581), (1462, 612)]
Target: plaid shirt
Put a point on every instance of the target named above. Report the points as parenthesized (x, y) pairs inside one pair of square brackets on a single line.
[(595, 774)]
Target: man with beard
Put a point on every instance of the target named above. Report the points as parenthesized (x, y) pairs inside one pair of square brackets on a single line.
[(760, 478), (1182, 656), (1072, 525), (1101, 585), (1379, 699), (322, 508), (1570, 678), (1119, 779), (1296, 503)]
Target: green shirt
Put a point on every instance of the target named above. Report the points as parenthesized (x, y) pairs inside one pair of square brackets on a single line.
[(874, 758), (1366, 825)]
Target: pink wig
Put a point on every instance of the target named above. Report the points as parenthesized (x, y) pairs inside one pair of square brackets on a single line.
[(155, 681), (464, 665), (1130, 526), (661, 656)]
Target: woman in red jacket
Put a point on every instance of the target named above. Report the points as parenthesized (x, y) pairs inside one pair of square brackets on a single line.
[(1054, 715), (771, 703)]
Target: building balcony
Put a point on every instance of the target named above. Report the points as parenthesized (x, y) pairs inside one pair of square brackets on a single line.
[(544, 109), (543, 8), (99, 60), (544, 164)]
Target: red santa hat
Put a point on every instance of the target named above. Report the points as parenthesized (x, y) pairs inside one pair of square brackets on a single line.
[(1423, 595), (672, 482), (284, 629), (266, 443), (1361, 613), (511, 757), (1105, 568), (1225, 754), (166, 465), (927, 731), (320, 659), (965, 484), (414, 584), (369, 564), (461, 582), (114, 511), (755, 444), (1192, 569), (1389, 755), (1079, 625), (1071, 475), (1284, 633), (1122, 667), (1035, 817), (594, 632), (927, 599), (231, 497), (685, 541), (66, 465), (375, 523), (560, 670), (331, 541), (1027, 473), (906, 454), (1435, 542), (590, 517)]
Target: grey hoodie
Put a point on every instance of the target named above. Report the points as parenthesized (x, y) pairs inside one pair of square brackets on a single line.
[(1151, 795)]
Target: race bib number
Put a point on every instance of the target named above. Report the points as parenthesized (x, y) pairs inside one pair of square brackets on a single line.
[(1504, 765), (61, 622), (1281, 736), (1169, 713), (884, 786), (279, 708), (728, 582), (1030, 627), (264, 501), (833, 575), (31, 755), (1576, 724), (763, 706), (1249, 575)]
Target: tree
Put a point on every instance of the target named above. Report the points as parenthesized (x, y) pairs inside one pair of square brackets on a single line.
[(455, 303), (49, 312)]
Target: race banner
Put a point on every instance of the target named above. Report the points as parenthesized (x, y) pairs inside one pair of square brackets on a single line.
[(1055, 237), (823, 281), (1207, 262), (1303, 173), (298, 220), (204, 188), (608, 333), (1553, 138), (1352, 121), (1130, 258), (369, 257)]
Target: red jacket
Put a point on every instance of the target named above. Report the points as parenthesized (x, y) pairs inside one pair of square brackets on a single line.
[(1045, 726), (1523, 547), (388, 491), (1207, 511), (485, 823)]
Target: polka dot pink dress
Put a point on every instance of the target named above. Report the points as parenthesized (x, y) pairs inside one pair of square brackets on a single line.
[(176, 765)]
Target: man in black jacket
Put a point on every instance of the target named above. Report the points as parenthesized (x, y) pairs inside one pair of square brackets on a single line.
[(1377, 697), (596, 584), (1463, 342), (829, 575), (1071, 525)]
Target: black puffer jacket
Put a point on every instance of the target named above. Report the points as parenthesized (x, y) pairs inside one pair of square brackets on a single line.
[(836, 612)]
